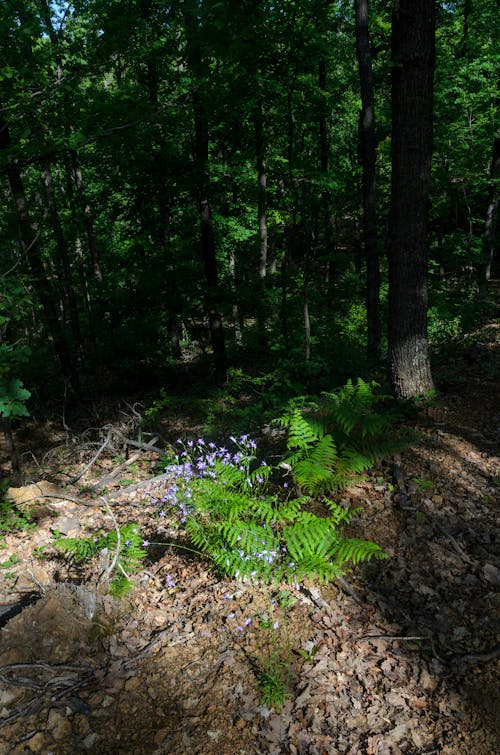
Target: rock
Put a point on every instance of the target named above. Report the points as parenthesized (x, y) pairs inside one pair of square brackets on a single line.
[(491, 574), (67, 525), (38, 743), (90, 740), (39, 499), (59, 726)]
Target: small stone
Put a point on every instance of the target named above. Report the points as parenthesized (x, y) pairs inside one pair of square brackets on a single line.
[(90, 740), (491, 574), (58, 725), (38, 743), (133, 684), (67, 525)]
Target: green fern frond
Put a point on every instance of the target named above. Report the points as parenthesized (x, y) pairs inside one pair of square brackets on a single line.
[(314, 538), (300, 432), (355, 551), (79, 549)]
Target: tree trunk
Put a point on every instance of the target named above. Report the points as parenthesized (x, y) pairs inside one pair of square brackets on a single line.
[(29, 243), (12, 452), (413, 57), (89, 227), (368, 161), (68, 297), (489, 235), (208, 250), (262, 221)]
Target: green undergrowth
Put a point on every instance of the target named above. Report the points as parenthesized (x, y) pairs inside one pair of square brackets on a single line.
[(123, 550)]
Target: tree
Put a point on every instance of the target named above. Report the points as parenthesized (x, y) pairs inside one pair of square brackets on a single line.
[(413, 60), (368, 160)]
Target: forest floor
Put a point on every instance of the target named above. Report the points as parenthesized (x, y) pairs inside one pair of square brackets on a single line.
[(409, 665)]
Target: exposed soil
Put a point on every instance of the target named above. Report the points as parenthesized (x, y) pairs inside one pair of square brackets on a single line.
[(410, 667)]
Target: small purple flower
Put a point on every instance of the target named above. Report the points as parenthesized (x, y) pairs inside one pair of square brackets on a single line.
[(248, 622), (276, 624), (285, 484), (145, 543), (127, 543), (239, 629)]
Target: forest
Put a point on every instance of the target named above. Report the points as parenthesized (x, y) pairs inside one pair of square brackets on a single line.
[(249, 376)]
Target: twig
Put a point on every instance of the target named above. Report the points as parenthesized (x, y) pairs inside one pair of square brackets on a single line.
[(114, 474), (349, 590), (392, 637), (93, 460), (138, 444), (118, 537), (143, 484)]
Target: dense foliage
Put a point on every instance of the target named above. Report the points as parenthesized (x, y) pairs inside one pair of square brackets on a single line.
[(191, 183)]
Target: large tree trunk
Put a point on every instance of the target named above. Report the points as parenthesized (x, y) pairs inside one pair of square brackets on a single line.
[(368, 160), (413, 57)]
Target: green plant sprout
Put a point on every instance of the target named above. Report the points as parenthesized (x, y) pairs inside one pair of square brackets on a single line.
[(129, 553), (422, 484)]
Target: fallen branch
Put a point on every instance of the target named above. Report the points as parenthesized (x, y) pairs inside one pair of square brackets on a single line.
[(113, 475), (93, 460), (143, 484)]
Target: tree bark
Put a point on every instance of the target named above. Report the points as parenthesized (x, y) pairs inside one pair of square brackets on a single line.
[(68, 295), (197, 66), (29, 244), (490, 225), (262, 221), (368, 161), (413, 58)]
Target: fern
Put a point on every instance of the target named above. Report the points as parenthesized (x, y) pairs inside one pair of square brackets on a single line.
[(130, 557), (330, 446), (228, 515)]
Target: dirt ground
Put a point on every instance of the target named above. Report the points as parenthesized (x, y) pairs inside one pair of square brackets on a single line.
[(408, 663)]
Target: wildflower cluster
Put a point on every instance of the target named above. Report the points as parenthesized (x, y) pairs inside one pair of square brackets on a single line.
[(198, 460), (219, 494)]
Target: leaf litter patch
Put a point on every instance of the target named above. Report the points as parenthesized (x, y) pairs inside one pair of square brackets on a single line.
[(176, 667)]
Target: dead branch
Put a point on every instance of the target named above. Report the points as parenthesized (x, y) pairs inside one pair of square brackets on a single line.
[(152, 481), (93, 460)]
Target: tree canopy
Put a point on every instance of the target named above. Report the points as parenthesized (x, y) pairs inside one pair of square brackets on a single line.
[(185, 180)]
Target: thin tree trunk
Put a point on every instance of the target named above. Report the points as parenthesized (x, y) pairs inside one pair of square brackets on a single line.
[(489, 235), (12, 452), (69, 298), (89, 227), (208, 250), (368, 160), (262, 221), (305, 294), (413, 57)]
